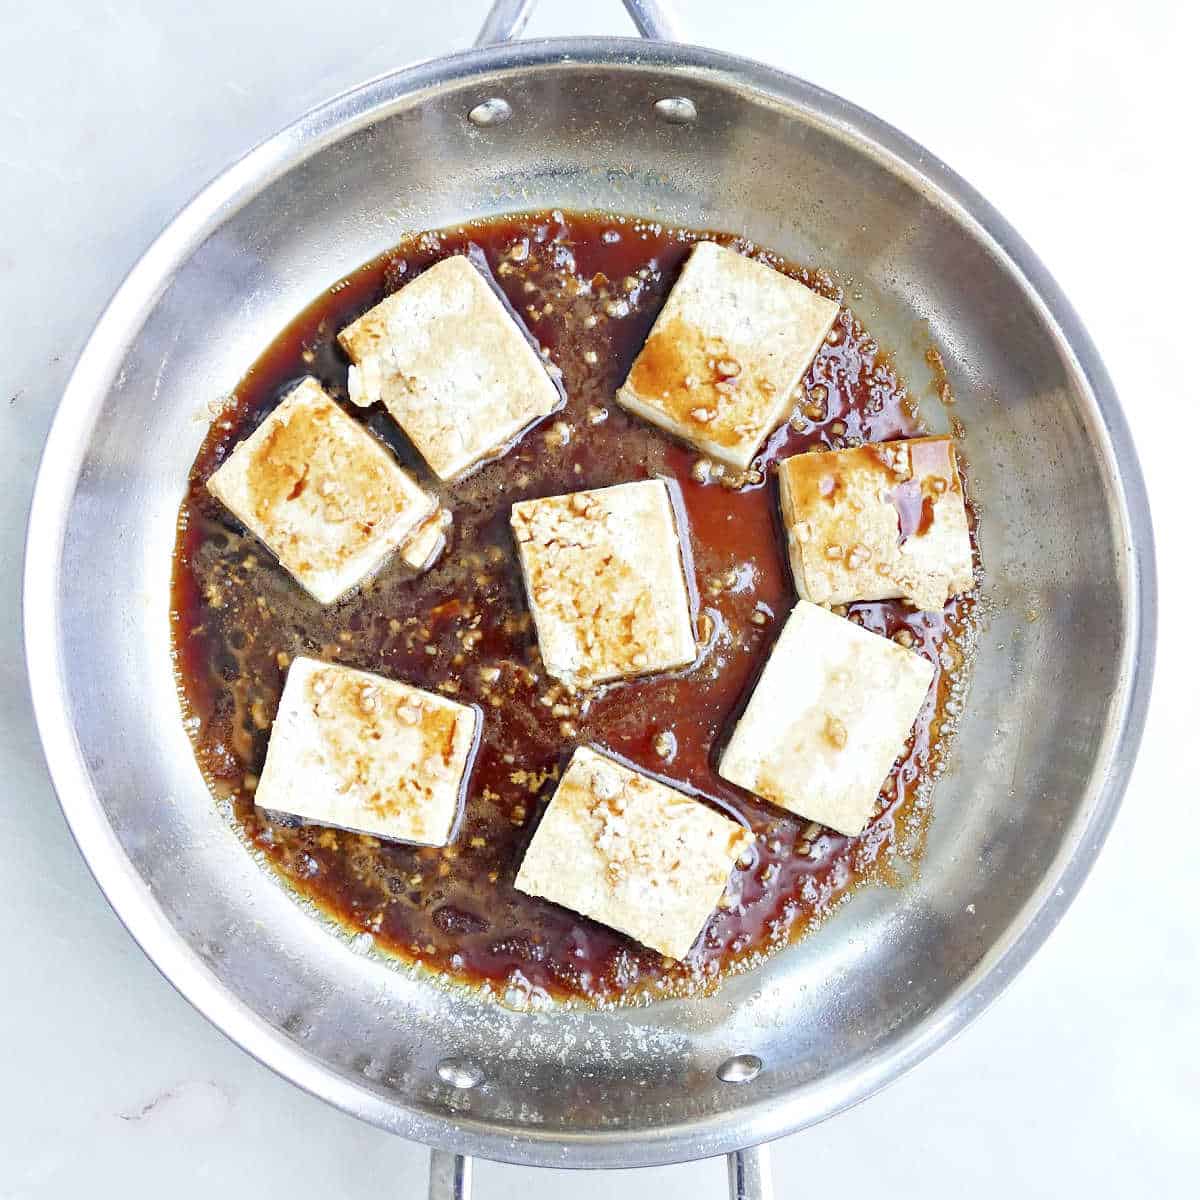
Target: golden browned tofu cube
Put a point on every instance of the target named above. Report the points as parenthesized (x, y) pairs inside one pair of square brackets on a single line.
[(606, 584), (631, 853), (356, 751), (320, 492), (827, 719), (731, 344), (877, 522), (449, 361)]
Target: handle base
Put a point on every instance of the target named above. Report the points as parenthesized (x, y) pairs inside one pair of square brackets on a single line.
[(750, 1174), (449, 1176)]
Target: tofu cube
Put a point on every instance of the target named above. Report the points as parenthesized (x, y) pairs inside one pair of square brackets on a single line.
[(728, 349), (827, 719), (877, 522), (631, 853), (360, 752), (425, 546), (447, 358), (605, 578), (320, 493)]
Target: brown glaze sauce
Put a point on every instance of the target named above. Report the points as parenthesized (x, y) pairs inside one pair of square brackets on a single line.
[(588, 287)]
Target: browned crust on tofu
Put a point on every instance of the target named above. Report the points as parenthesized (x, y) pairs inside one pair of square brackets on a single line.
[(319, 491), (727, 350), (877, 522), (700, 386)]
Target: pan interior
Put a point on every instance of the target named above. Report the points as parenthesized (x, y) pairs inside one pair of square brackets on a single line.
[(1029, 787)]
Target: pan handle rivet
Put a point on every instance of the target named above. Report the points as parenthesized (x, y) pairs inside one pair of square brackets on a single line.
[(459, 1073), (494, 111), (741, 1068), (675, 110)]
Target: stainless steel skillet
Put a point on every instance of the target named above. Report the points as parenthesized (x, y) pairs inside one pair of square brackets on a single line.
[(1045, 743)]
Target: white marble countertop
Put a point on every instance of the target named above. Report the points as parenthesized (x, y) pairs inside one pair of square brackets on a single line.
[(1084, 1079)]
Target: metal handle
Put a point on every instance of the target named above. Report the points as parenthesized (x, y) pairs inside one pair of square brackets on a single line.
[(653, 19), (450, 1174), (507, 18), (504, 21), (749, 1175)]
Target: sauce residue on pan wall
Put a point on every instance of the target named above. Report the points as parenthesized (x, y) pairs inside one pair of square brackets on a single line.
[(588, 287)]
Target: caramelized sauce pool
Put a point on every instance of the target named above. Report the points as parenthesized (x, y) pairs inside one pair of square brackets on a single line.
[(588, 287)]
